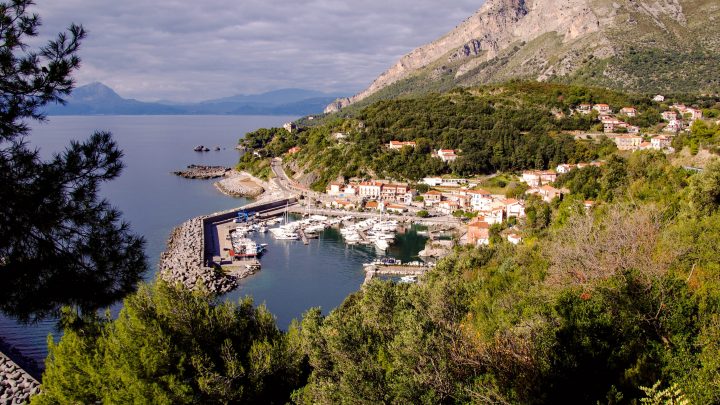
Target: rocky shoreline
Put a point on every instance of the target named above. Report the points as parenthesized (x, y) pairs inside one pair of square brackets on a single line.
[(16, 386), (203, 172), (240, 184)]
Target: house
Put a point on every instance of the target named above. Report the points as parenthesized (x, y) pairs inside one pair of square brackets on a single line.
[(432, 181), (407, 198), (629, 111), (334, 189), (584, 108), (610, 124), (669, 115), (602, 108), (480, 199), (547, 193), (448, 207), (339, 136), (446, 155), (645, 145), (391, 191), (370, 189), (661, 142), (289, 126), (659, 98), (374, 205), (478, 232), (395, 145), (342, 204), (632, 129), (628, 142), (514, 208), (674, 126), (396, 208), (565, 168), (514, 238), (588, 204), (692, 113), (536, 178), (432, 197), (494, 214), (294, 150)]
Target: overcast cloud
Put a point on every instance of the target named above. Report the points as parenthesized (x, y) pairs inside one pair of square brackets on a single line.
[(198, 50)]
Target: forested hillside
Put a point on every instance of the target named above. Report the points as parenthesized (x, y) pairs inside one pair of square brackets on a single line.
[(508, 127)]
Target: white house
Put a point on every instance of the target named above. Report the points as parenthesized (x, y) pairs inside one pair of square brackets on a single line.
[(659, 98), (446, 155)]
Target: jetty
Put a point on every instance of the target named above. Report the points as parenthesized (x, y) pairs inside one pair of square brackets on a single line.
[(304, 237)]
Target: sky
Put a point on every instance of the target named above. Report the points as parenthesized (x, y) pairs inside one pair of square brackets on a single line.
[(198, 50)]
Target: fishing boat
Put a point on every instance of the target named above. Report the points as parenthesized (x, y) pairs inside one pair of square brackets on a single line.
[(408, 279)]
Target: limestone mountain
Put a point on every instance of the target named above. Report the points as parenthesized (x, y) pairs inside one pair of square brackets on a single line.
[(637, 45)]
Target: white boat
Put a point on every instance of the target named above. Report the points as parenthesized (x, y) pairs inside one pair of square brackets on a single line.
[(284, 234), (408, 279), (263, 228), (381, 244)]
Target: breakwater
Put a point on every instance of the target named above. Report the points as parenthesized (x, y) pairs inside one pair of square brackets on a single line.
[(188, 259), (203, 172), (16, 386)]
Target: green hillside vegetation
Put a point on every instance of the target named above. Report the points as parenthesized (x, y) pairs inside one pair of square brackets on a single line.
[(591, 308), (507, 127)]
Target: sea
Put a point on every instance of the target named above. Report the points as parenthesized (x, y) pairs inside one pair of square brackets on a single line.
[(294, 277)]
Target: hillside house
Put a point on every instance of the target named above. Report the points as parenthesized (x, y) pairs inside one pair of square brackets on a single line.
[(294, 150), (691, 113), (535, 178), (660, 142), (628, 142), (514, 238), (584, 108), (290, 126), (478, 232), (334, 189), (602, 108), (547, 193), (446, 155), (494, 214), (674, 126), (395, 145), (669, 115), (514, 208), (480, 199), (629, 111), (659, 98)]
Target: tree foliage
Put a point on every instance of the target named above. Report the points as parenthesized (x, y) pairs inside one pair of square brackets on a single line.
[(171, 346), (60, 243)]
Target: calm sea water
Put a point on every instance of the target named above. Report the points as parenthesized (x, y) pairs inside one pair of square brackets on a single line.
[(294, 277)]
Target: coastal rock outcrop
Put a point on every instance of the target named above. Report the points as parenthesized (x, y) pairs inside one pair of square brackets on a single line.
[(203, 172), (16, 386), (240, 185)]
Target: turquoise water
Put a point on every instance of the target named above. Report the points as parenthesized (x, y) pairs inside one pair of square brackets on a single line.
[(294, 277)]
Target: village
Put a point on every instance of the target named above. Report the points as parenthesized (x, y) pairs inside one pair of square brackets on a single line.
[(466, 198)]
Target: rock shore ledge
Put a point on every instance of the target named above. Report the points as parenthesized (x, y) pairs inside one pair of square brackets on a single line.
[(203, 172)]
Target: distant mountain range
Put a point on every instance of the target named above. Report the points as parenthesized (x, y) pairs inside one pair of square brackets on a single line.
[(99, 99)]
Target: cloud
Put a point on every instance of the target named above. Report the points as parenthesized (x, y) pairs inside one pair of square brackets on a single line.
[(189, 51)]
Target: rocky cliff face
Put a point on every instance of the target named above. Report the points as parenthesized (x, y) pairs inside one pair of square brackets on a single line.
[(546, 40)]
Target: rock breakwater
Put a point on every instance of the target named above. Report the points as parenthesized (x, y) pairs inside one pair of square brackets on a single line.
[(203, 172), (184, 260), (16, 386)]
